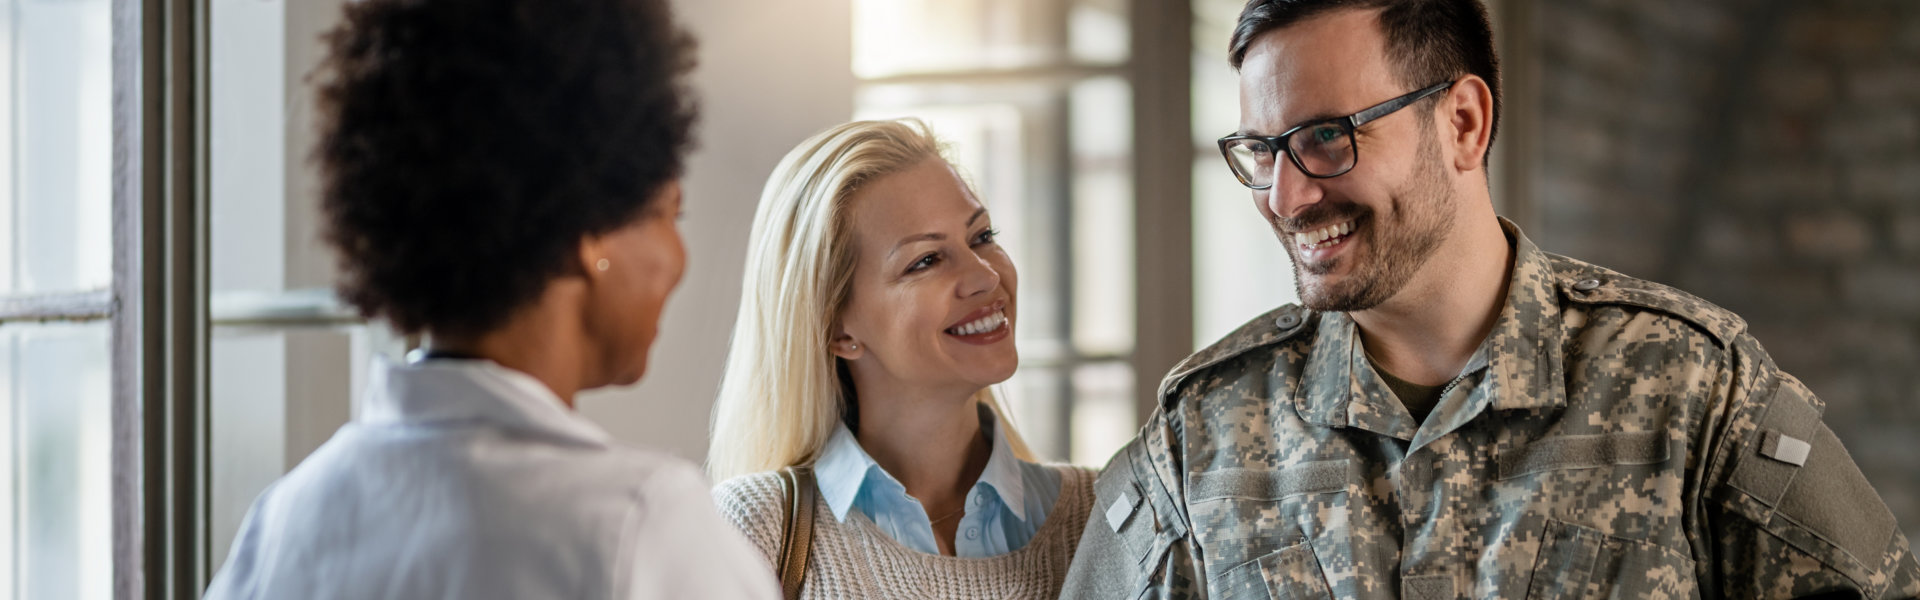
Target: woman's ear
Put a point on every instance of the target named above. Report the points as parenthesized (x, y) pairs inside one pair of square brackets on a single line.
[(598, 252), (594, 259), (845, 347)]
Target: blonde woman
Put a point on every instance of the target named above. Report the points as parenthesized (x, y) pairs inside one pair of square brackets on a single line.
[(877, 309)]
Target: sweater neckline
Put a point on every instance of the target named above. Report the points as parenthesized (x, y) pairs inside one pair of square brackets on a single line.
[(1070, 488)]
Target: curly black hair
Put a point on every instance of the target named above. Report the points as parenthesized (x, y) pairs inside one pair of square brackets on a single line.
[(467, 147)]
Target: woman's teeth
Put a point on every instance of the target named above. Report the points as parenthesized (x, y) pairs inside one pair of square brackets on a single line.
[(1323, 237), (982, 325)]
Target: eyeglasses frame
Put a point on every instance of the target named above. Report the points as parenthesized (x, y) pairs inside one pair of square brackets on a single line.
[(1348, 124)]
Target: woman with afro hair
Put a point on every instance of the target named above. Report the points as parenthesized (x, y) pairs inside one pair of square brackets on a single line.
[(501, 177)]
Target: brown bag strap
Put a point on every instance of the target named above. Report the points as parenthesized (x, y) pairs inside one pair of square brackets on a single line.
[(796, 547)]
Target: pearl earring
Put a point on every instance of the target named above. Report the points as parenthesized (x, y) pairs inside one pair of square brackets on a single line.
[(602, 264)]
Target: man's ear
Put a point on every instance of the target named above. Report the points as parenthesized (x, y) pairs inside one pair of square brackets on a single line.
[(1467, 109)]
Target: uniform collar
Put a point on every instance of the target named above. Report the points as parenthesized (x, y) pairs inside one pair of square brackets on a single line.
[(451, 391), (1522, 355), (844, 469), (1526, 349), (1337, 388)]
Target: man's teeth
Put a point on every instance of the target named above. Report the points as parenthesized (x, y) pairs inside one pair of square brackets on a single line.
[(982, 325), (1314, 238)]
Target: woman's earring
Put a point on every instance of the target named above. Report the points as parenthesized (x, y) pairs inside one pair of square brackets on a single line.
[(602, 264), (853, 346)]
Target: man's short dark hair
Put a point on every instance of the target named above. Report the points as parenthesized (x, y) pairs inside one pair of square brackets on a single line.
[(468, 146), (1428, 41)]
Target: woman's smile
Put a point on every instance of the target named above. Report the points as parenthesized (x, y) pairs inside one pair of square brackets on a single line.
[(984, 326)]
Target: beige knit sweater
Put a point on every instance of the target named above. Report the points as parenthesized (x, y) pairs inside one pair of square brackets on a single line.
[(856, 559)]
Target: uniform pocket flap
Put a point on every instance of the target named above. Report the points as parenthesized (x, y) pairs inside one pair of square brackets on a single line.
[(1585, 452), (1582, 562), (1288, 573), (1317, 477)]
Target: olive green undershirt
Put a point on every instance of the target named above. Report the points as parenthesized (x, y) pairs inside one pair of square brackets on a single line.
[(1419, 399)]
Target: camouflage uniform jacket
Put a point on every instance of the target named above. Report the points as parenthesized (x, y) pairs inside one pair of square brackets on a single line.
[(1610, 438)]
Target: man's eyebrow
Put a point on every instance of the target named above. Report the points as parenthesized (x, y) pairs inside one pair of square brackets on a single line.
[(1320, 117), (1316, 118)]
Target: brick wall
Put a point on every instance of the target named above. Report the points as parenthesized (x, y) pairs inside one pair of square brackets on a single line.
[(1765, 155)]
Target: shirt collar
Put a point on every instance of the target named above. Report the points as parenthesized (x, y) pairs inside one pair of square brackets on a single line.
[(1522, 354), (445, 390), (1002, 473), (844, 469)]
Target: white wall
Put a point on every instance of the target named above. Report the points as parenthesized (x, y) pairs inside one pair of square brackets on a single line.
[(770, 74)]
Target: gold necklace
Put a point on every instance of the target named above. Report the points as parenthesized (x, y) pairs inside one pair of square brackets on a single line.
[(963, 508)]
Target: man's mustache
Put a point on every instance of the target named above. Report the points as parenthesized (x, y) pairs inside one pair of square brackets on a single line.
[(1321, 214)]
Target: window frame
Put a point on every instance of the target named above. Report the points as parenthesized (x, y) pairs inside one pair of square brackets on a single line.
[(1161, 70), (159, 355)]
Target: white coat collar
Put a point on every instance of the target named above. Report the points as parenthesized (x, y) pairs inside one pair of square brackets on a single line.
[(445, 391)]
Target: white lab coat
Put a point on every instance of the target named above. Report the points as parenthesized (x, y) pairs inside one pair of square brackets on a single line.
[(465, 479)]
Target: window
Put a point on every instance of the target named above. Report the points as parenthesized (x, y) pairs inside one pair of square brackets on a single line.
[(56, 266), (167, 342)]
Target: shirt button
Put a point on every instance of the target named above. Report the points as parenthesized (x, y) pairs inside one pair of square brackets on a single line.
[(973, 533), (1587, 285), (979, 501), (1287, 321)]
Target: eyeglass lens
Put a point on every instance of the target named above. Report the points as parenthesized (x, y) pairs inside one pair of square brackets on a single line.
[(1323, 150)]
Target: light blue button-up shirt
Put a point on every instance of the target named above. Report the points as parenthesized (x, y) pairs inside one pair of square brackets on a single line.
[(1003, 509)]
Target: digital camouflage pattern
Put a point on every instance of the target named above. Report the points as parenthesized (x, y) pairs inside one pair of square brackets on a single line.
[(1611, 438)]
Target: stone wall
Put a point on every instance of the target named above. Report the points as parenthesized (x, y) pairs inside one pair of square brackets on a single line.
[(1765, 155)]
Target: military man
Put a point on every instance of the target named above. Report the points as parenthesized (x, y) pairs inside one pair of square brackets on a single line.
[(1455, 413)]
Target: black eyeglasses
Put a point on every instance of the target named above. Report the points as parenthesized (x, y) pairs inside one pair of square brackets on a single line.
[(1326, 150)]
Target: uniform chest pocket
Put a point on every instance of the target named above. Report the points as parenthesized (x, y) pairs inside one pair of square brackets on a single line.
[(1257, 526), (1289, 573), (1578, 562)]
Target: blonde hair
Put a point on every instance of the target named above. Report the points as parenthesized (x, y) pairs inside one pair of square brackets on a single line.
[(783, 392)]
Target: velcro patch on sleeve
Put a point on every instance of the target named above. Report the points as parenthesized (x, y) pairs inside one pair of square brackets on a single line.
[(1832, 498), (1122, 508), (1785, 448), (1789, 414)]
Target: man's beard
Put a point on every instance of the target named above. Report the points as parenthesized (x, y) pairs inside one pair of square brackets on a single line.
[(1395, 250)]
